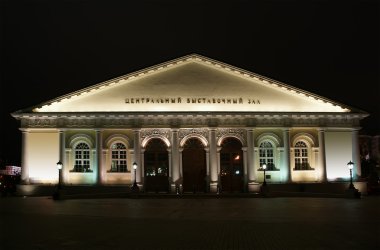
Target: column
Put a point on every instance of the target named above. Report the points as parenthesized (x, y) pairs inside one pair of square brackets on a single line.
[(286, 163), (251, 156), (175, 173), (213, 159), (357, 171), (322, 155), (170, 163), (99, 152), (207, 150), (208, 179), (62, 153), (24, 154), (137, 155), (180, 163), (141, 166), (245, 167)]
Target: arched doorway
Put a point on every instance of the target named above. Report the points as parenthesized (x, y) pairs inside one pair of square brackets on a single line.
[(156, 166), (231, 166), (194, 166)]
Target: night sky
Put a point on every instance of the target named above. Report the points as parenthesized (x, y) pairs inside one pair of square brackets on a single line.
[(51, 48)]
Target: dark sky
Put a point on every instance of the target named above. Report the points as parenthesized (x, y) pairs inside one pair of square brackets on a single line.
[(50, 48)]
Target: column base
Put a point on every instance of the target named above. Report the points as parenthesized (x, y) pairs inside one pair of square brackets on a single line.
[(214, 187), (254, 187), (175, 188)]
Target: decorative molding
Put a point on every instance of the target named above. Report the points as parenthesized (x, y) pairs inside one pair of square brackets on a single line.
[(147, 134), (270, 137), (305, 137), (154, 132), (240, 134), (196, 131), (186, 120), (117, 138), (200, 133), (77, 138)]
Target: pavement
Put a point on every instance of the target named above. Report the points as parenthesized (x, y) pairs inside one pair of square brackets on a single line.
[(197, 222)]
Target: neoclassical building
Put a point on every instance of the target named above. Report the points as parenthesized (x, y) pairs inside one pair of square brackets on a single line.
[(193, 123)]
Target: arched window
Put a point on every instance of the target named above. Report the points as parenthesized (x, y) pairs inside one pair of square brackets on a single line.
[(267, 156), (301, 156), (119, 157), (82, 158)]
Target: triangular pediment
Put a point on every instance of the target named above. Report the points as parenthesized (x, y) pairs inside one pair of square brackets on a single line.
[(191, 84)]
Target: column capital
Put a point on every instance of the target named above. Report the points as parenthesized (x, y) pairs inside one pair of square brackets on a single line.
[(250, 129), (212, 128), (174, 130)]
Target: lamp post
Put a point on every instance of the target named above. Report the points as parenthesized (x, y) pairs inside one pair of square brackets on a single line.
[(57, 191), (350, 165), (264, 167), (59, 166), (135, 188)]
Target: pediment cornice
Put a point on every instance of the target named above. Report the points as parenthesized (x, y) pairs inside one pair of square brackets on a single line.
[(192, 58)]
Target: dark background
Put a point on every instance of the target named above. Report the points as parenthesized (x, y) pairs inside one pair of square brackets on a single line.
[(50, 48)]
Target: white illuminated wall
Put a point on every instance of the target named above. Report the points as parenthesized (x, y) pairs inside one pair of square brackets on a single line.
[(338, 154), (42, 155)]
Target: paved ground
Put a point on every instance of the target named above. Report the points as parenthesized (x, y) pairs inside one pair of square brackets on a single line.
[(191, 223)]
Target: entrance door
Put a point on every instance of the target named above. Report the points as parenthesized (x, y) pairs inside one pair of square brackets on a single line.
[(194, 166), (156, 166), (231, 166)]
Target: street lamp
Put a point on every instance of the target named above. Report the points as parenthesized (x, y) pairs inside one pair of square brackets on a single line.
[(264, 167), (350, 165), (57, 191), (135, 188), (59, 166)]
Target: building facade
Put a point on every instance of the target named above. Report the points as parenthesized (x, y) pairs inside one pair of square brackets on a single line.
[(193, 123)]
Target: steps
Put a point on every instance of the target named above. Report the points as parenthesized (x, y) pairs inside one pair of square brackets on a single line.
[(124, 191)]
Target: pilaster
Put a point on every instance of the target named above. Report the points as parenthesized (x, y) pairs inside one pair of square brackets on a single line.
[(286, 162), (322, 155)]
